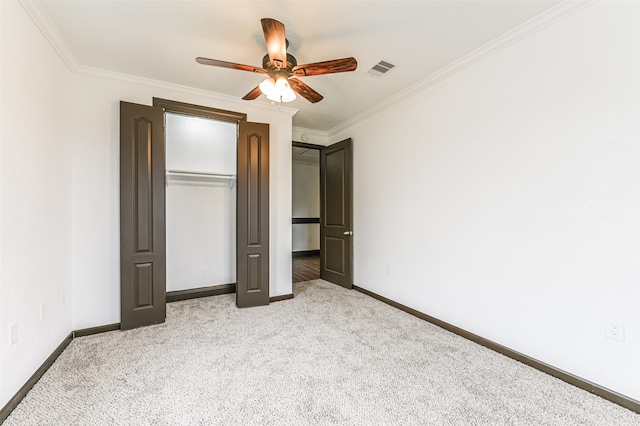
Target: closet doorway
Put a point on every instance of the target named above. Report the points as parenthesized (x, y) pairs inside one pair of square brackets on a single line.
[(143, 234), (200, 202)]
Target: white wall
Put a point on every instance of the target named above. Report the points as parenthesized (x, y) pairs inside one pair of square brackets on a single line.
[(521, 211), (59, 193), (35, 200), (506, 199), (96, 276), (306, 203), (306, 236), (200, 211)]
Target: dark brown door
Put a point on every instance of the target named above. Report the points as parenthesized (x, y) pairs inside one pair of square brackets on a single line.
[(252, 258), (336, 231), (142, 216)]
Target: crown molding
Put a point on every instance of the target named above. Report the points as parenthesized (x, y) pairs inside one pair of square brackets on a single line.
[(312, 136), (50, 33), (128, 78), (513, 36), (530, 27), (40, 18), (320, 133)]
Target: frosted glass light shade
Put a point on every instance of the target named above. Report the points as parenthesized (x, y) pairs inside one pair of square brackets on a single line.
[(277, 90), (268, 86), (288, 95)]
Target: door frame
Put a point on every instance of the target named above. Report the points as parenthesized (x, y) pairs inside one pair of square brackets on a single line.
[(199, 111), (245, 296), (321, 148), (160, 107)]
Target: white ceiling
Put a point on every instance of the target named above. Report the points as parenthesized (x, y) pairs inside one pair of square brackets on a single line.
[(160, 39)]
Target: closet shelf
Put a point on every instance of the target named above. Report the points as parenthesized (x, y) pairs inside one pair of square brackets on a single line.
[(181, 173)]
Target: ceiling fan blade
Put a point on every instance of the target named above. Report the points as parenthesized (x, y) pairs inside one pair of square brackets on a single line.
[(326, 67), (253, 94), (232, 65), (276, 41), (305, 91)]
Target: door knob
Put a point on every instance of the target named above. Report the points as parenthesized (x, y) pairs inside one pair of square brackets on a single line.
[(347, 233)]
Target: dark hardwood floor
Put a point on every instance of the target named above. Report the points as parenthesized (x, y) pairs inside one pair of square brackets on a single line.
[(306, 267)]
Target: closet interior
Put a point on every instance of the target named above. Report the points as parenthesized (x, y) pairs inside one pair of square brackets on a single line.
[(201, 174)]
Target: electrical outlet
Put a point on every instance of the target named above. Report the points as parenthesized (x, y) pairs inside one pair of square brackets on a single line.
[(14, 334), (615, 330), (42, 312), (387, 270)]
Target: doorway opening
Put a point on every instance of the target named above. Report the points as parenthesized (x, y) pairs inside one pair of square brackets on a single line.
[(305, 211), (248, 193), (143, 173), (200, 202), (322, 212)]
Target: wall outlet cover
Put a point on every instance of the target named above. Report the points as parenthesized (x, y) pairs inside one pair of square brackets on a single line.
[(614, 329)]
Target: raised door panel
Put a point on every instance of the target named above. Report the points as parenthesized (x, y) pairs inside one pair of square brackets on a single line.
[(335, 185), (336, 236), (253, 215), (142, 216)]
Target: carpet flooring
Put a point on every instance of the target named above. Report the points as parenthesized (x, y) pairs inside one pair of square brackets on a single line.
[(328, 356)]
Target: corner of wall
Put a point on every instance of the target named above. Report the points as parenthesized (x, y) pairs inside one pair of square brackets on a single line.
[(35, 199)]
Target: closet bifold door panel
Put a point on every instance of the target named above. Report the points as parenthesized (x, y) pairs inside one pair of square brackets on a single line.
[(142, 216), (252, 260)]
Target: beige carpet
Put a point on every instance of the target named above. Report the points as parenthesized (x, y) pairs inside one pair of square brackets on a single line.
[(329, 356)]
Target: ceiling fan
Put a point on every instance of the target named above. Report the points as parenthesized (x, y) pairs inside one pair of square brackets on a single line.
[(282, 68)]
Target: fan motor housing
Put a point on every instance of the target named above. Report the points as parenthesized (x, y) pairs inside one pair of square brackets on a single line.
[(291, 61)]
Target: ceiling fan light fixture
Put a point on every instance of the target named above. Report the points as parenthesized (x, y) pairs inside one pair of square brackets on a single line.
[(289, 95), (282, 68), (281, 84), (268, 86), (277, 90)]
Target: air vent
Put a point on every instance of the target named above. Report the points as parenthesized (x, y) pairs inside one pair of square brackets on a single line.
[(380, 68)]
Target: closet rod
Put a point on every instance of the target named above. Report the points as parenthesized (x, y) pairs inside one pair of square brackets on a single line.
[(199, 174)]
